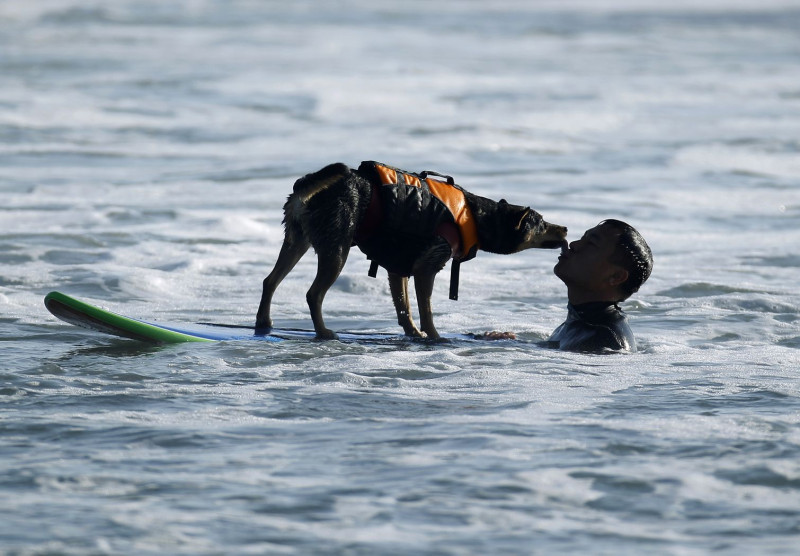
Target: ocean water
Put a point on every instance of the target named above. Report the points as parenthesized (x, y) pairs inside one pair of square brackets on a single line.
[(146, 150)]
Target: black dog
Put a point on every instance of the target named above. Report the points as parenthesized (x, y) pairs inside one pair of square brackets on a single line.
[(410, 224)]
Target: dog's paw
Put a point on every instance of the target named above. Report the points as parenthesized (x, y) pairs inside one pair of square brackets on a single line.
[(326, 334), (414, 333), (263, 324)]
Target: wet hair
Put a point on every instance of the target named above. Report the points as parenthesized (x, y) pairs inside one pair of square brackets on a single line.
[(633, 254)]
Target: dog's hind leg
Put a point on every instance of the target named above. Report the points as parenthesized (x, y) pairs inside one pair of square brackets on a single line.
[(423, 285), (399, 287), (292, 251), (329, 266)]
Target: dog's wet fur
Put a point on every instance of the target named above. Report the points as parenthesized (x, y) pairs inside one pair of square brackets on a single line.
[(324, 212)]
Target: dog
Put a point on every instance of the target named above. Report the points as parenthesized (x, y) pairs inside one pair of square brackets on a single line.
[(410, 224)]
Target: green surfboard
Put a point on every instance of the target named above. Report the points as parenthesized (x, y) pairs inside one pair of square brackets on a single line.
[(86, 315)]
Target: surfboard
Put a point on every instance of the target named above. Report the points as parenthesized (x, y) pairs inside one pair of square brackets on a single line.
[(86, 315)]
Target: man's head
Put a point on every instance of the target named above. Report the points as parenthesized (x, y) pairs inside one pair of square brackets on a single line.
[(609, 263)]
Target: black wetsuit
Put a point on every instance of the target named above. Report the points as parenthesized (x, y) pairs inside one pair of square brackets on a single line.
[(593, 327)]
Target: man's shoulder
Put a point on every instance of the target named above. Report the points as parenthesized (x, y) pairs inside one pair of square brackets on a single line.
[(594, 328)]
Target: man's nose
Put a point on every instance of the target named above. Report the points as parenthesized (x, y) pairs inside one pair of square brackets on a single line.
[(574, 245)]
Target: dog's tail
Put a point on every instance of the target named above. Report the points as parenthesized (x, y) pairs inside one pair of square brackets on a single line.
[(311, 184)]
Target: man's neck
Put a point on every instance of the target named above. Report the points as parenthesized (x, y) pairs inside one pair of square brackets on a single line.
[(581, 297)]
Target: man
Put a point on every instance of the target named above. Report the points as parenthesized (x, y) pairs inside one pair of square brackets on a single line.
[(606, 266)]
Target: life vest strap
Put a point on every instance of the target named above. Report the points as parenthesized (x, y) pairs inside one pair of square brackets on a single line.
[(373, 269), (455, 267), (371, 219)]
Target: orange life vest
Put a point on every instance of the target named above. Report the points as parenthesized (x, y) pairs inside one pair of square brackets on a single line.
[(424, 194), (447, 192)]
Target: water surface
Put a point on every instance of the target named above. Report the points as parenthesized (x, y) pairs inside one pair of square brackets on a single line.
[(146, 150)]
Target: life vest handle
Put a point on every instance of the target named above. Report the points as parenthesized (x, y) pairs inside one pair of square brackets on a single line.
[(426, 173)]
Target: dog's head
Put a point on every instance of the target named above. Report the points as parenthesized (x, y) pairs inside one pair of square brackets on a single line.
[(530, 230)]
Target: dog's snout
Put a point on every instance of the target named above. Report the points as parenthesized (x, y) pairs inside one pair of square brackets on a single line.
[(558, 230)]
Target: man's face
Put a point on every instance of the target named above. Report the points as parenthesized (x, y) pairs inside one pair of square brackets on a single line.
[(586, 268)]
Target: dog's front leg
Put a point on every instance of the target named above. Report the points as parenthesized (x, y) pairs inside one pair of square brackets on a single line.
[(399, 288), (423, 285)]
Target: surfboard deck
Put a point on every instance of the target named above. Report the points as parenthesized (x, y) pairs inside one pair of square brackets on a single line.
[(86, 315)]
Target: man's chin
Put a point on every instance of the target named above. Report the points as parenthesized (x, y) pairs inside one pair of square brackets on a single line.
[(564, 272)]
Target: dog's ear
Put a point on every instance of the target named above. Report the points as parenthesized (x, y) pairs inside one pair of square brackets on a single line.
[(525, 214)]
